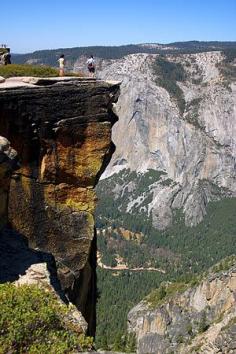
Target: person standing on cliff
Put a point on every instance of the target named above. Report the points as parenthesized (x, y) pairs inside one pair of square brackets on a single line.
[(7, 57), (61, 62), (91, 66)]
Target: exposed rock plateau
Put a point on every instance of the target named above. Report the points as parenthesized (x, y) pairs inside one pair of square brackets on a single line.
[(202, 319), (61, 130)]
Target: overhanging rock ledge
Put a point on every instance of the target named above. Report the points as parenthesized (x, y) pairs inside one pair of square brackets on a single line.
[(61, 130)]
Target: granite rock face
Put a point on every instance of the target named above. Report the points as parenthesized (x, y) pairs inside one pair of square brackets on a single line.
[(195, 148), (201, 319), (8, 163), (62, 134)]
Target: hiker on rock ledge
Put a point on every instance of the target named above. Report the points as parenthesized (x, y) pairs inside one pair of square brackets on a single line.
[(61, 62), (7, 57), (91, 66)]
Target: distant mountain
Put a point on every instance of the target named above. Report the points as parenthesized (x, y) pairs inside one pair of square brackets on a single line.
[(177, 117), (50, 56), (168, 197), (167, 203)]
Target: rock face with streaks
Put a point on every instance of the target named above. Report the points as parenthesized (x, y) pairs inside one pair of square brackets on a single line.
[(199, 319), (194, 146), (61, 131), (8, 163)]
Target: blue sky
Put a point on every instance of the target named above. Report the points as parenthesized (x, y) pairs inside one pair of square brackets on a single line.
[(28, 25)]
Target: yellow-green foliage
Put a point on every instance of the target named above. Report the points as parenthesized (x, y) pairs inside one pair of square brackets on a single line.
[(27, 70), (224, 265), (76, 205), (31, 321), (31, 70), (165, 292)]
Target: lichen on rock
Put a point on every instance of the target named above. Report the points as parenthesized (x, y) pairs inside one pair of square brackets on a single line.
[(8, 162), (62, 133)]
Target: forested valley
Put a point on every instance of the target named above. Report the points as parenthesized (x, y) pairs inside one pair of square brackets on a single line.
[(130, 240)]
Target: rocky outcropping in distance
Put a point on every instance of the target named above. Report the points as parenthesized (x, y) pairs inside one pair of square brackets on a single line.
[(61, 130), (182, 318)]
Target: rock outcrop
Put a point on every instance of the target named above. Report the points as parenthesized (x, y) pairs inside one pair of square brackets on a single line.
[(8, 162), (201, 319), (61, 130), (195, 147)]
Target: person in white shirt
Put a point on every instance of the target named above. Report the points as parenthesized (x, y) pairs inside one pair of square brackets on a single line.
[(61, 62), (91, 66)]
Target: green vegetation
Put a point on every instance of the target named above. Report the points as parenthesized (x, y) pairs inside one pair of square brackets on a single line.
[(49, 57), (167, 182), (192, 109), (134, 185), (230, 55), (165, 292), (118, 292), (199, 243), (113, 243), (189, 329), (224, 265), (195, 103), (27, 70), (227, 66), (203, 324), (31, 70), (125, 343), (33, 321), (168, 74), (183, 252)]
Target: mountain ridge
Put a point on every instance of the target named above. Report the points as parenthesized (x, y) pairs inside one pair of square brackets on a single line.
[(172, 176), (195, 147), (50, 56)]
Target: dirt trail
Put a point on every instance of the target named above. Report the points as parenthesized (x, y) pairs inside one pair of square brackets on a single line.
[(125, 267)]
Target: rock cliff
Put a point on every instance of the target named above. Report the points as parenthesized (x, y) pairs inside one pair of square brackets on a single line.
[(180, 318), (8, 161), (190, 138), (61, 130)]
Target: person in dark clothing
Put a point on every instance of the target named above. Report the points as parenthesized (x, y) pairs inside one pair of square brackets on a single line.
[(91, 66), (7, 57)]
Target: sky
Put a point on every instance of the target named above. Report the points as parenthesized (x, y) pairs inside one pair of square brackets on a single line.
[(28, 25)]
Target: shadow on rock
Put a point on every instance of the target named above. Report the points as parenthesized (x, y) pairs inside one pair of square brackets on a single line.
[(17, 259)]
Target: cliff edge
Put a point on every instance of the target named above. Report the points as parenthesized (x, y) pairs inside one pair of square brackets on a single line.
[(61, 130)]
